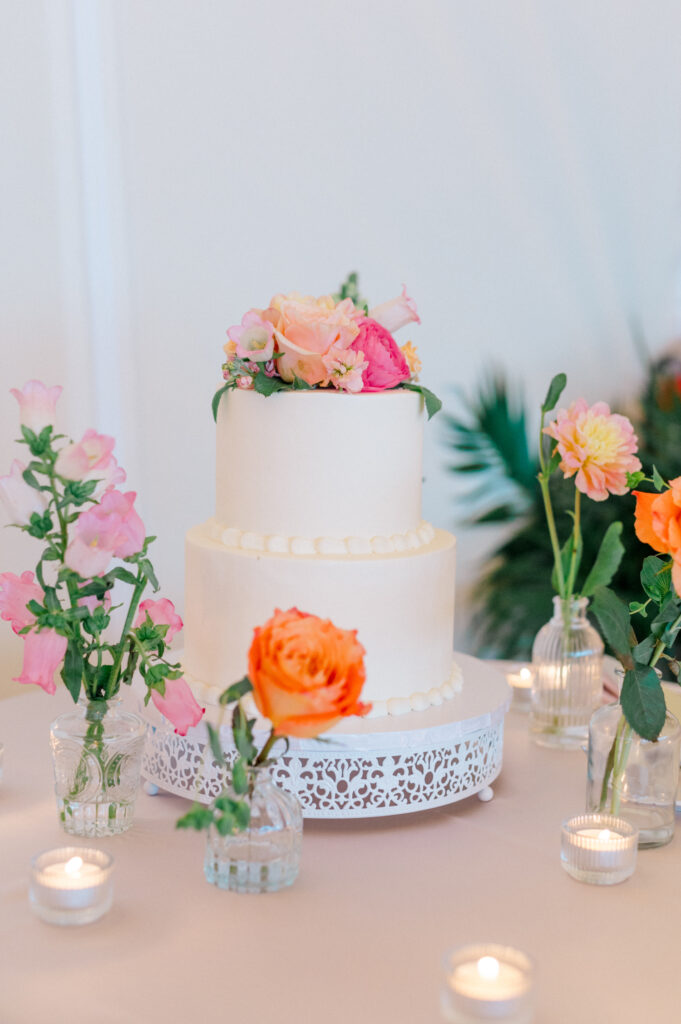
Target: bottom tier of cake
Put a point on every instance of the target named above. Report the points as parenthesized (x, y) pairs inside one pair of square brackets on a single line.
[(402, 605)]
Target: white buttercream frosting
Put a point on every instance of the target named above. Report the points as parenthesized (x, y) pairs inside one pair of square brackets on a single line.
[(247, 540)]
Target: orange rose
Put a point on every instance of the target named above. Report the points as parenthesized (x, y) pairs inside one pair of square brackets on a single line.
[(658, 523), (306, 673)]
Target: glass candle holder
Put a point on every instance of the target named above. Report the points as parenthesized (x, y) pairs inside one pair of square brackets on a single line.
[(71, 885), (599, 849), (487, 982), (520, 678)]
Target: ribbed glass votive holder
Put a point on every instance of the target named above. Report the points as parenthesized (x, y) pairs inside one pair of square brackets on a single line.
[(487, 982), (71, 885), (598, 848)]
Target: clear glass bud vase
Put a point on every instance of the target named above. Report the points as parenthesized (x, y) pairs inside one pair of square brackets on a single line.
[(567, 658), (97, 757), (642, 776), (265, 857)]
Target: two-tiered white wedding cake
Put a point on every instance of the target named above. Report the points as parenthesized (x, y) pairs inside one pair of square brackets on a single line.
[(319, 507)]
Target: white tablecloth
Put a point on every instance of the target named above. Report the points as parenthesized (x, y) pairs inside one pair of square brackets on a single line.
[(360, 936)]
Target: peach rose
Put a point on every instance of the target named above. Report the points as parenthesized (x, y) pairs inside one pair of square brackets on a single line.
[(658, 523), (305, 329), (306, 673)]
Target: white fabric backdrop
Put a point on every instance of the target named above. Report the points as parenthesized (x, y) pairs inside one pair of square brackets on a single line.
[(169, 163)]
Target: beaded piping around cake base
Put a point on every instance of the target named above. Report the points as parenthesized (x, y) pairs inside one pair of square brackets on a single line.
[(432, 759)]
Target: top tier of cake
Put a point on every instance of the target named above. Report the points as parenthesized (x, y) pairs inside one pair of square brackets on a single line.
[(320, 464)]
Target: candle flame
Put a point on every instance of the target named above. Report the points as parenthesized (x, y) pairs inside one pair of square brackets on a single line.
[(488, 968), (604, 834), (73, 866), (525, 673)]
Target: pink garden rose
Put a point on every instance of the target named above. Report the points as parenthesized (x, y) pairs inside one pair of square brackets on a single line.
[(37, 404), (306, 328), (598, 446), (110, 529), (90, 459), (178, 705), (396, 313), (387, 365), (43, 654), (15, 593), (18, 498), (161, 613), (254, 339)]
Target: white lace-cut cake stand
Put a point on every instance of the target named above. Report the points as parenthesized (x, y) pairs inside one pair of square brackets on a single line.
[(372, 767)]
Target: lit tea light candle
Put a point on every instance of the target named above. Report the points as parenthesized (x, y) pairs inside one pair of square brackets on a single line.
[(487, 983), (72, 885), (520, 680), (599, 849)]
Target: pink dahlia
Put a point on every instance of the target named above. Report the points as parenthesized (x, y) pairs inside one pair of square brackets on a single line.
[(597, 445)]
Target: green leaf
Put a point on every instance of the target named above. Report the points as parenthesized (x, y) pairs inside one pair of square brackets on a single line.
[(658, 480), (216, 400), (432, 402), (298, 384), (565, 556), (215, 745), (124, 575), (554, 462), (634, 479), (242, 814), (239, 776), (642, 701), (225, 824), (242, 730), (643, 652), (51, 600), (556, 388), (198, 818), (656, 578), (147, 568), (607, 560), (235, 691), (613, 618), (265, 385), (638, 608), (72, 669), (31, 480)]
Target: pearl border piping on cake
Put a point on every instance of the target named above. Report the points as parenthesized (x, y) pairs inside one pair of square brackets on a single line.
[(419, 701), (247, 540)]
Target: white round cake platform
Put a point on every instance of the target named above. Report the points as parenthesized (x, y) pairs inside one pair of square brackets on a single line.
[(366, 767)]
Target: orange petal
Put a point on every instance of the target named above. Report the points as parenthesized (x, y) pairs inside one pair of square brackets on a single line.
[(644, 520)]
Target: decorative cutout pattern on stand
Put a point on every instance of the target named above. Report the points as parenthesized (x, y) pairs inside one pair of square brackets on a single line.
[(395, 778)]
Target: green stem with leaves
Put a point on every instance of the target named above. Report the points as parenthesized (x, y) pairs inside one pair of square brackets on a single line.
[(543, 478), (111, 689)]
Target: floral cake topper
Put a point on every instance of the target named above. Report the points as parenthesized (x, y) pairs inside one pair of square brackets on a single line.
[(299, 343)]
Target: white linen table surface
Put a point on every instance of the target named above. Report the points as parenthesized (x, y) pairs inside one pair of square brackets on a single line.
[(360, 936)]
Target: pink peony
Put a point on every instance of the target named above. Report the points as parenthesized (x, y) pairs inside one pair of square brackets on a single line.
[(178, 705), (43, 654), (397, 313), (344, 368), (15, 593), (37, 404), (597, 445), (254, 339), (306, 328), (19, 499), (387, 365), (162, 613), (111, 529), (90, 459)]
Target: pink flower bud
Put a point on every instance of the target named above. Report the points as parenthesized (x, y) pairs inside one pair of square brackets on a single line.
[(178, 705), (37, 404), (43, 654), (19, 499)]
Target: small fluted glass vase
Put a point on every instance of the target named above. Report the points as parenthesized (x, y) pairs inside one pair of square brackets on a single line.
[(567, 663), (265, 857), (97, 752), (633, 778)]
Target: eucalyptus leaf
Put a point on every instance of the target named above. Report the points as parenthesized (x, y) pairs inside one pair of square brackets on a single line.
[(613, 618), (607, 560), (642, 701), (556, 388)]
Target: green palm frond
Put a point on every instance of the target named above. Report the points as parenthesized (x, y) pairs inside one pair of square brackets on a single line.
[(491, 440)]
